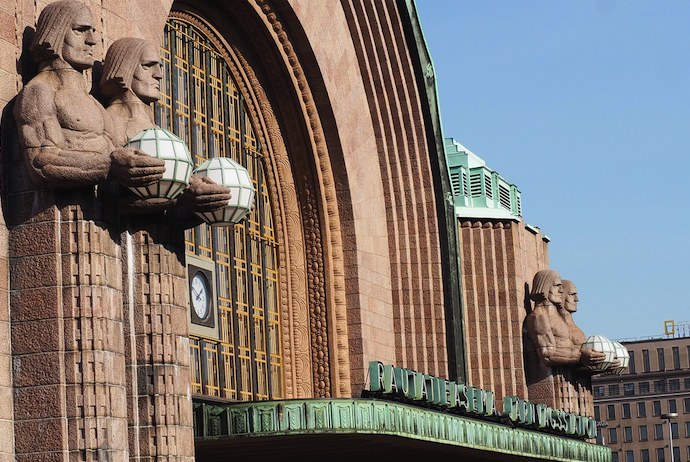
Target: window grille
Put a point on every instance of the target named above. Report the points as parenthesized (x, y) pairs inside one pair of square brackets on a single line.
[(202, 104)]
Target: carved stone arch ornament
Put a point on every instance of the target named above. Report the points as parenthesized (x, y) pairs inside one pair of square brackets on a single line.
[(305, 209)]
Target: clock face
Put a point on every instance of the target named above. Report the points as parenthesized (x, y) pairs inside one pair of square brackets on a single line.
[(201, 295)]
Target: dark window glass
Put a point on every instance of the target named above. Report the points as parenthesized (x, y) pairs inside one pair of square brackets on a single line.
[(686, 405), (645, 360), (627, 434), (645, 455), (656, 406), (599, 391), (625, 410), (629, 389), (676, 453), (662, 362), (659, 386), (658, 431), (674, 384), (600, 438), (611, 412), (644, 436), (676, 358), (686, 382), (641, 409), (660, 455), (614, 390), (629, 456), (672, 405), (674, 429), (687, 429), (644, 388), (614, 457), (613, 435), (631, 363), (597, 414)]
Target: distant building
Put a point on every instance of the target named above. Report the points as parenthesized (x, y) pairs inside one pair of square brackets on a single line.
[(629, 407)]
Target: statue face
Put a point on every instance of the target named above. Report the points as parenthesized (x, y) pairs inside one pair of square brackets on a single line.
[(570, 303), (555, 292), (77, 49), (146, 81)]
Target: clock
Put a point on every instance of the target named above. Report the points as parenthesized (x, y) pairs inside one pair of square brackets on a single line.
[(201, 296)]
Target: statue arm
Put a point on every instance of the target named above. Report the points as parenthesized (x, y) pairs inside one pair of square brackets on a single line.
[(549, 350), (48, 161)]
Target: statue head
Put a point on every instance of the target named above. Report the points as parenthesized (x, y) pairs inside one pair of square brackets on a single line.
[(65, 30), (570, 298), (547, 285), (132, 65)]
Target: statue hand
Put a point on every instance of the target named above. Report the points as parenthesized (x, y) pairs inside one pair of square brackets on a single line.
[(590, 357), (132, 167), (204, 195)]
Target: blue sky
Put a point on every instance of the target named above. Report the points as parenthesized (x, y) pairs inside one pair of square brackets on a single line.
[(585, 106)]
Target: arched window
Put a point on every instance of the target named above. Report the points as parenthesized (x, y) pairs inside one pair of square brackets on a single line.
[(202, 104)]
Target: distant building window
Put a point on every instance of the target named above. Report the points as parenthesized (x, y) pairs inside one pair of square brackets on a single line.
[(676, 453), (597, 414), (645, 455), (676, 358), (645, 360), (674, 429), (614, 390), (611, 412), (629, 389), (631, 362), (656, 408), (625, 410), (660, 456), (641, 409), (659, 386), (686, 383), (672, 405), (627, 434), (644, 436), (600, 437), (687, 429), (629, 456), (674, 384), (599, 391), (644, 388), (662, 362), (613, 435), (614, 457), (658, 431), (686, 405)]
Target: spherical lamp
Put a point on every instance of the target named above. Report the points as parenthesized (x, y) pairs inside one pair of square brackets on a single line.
[(623, 358), (234, 176), (162, 144), (603, 345)]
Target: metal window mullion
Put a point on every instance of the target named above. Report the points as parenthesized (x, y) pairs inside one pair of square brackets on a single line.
[(209, 106), (264, 273), (248, 246), (233, 311), (226, 113)]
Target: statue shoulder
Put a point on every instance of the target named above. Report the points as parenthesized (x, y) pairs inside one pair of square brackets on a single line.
[(35, 100)]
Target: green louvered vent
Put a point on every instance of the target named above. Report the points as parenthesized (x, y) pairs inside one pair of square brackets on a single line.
[(518, 202), (488, 187), (504, 197), (475, 184), (465, 190), (456, 183)]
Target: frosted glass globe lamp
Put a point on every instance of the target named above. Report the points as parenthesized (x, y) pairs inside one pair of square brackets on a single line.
[(164, 145), (234, 176), (603, 345), (622, 356)]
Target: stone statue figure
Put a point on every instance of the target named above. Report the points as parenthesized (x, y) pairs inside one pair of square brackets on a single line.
[(569, 307), (555, 361), (153, 249), (131, 82), (548, 329), (64, 133), (71, 264)]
